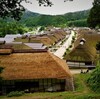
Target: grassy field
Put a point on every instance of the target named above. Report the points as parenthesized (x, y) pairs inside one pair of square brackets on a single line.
[(82, 91)]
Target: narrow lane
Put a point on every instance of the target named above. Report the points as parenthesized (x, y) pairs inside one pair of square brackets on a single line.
[(60, 52)]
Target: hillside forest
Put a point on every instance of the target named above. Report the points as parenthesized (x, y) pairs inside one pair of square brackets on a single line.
[(31, 20)]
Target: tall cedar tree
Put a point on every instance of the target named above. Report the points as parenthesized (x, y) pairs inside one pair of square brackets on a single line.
[(94, 16)]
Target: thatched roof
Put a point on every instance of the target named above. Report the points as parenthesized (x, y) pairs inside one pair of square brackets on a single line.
[(16, 46), (90, 36), (92, 39), (21, 39), (5, 51), (57, 36), (53, 38), (85, 52), (33, 66), (48, 38), (82, 52)]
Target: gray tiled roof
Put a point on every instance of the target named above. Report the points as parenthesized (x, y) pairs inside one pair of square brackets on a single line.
[(10, 37), (36, 45)]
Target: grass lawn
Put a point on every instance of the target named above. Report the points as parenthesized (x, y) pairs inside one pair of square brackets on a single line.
[(82, 91)]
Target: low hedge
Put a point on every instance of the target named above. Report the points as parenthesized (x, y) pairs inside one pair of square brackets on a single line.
[(15, 93)]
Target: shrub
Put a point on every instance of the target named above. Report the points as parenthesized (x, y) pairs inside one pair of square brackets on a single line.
[(73, 38), (62, 42), (72, 41), (94, 79), (70, 46), (67, 49), (15, 93), (64, 54)]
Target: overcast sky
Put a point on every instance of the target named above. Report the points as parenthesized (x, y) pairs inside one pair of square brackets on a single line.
[(59, 6)]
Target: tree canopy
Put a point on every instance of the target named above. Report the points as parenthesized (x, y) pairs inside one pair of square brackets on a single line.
[(11, 28), (94, 16), (45, 2), (11, 8), (14, 9), (69, 19), (94, 79)]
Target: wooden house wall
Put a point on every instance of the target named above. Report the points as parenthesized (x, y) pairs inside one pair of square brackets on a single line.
[(37, 85)]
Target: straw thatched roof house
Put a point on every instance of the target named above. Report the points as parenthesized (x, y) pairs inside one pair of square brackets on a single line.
[(82, 53), (35, 71), (91, 36), (15, 45), (47, 39), (21, 46)]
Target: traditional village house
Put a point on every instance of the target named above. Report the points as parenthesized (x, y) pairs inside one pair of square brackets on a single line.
[(33, 70), (47, 39), (82, 55)]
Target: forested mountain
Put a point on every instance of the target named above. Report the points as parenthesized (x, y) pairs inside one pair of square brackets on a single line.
[(76, 15), (28, 14), (30, 20), (34, 19)]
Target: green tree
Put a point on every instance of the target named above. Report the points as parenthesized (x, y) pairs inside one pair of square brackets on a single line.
[(11, 28), (11, 8), (78, 23), (45, 2), (42, 28), (45, 20), (14, 9), (94, 16), (94, 79), (58, 20)]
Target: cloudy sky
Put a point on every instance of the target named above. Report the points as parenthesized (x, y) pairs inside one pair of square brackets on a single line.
[(59, 6)]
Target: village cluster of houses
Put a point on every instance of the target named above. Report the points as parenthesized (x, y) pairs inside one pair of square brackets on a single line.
[(84, 52), (27, 64)]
